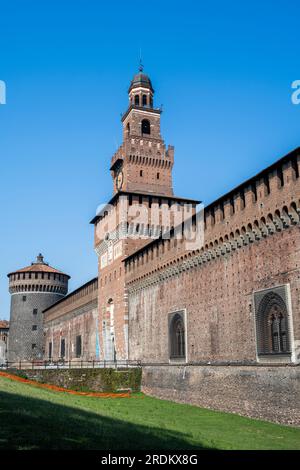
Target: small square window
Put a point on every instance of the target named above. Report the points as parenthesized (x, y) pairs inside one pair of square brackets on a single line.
[(34, 327), (24, 298), (35, 311), (33, 346)]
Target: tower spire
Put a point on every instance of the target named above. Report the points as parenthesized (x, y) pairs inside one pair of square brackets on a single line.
[(141, 67)]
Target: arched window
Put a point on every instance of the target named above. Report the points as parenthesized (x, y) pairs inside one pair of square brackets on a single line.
[(144, 100), (137, 100), (272, 323), (128, 129), (177, 337), (145, 126)]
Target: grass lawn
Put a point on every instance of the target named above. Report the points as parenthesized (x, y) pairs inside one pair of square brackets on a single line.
[(32, 418)]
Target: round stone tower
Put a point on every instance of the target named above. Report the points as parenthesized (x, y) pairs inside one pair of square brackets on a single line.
[(32, 289)]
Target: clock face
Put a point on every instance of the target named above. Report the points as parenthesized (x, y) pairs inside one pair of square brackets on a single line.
[(119, 180)]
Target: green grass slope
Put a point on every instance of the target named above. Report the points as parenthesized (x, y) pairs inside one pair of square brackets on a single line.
[(32, 418)]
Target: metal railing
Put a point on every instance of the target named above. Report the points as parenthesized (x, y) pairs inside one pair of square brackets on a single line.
[(122, 364), (72, 364)]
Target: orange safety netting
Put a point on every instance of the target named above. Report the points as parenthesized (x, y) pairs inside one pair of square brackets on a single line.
[(61, 389)]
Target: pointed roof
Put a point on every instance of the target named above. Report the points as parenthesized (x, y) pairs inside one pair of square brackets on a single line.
[(39, 266)]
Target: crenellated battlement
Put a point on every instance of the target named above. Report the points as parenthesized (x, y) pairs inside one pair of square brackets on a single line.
[(33, 289), (39, 277), (272, 188), (145, 152), (267, 203), (142, 163)]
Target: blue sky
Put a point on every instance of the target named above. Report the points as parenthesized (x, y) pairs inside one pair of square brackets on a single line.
[(222, 70)]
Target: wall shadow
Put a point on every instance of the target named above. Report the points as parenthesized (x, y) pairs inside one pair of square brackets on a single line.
[(31, 423)]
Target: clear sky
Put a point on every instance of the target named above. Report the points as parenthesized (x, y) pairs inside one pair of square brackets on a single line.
[(222, 70)]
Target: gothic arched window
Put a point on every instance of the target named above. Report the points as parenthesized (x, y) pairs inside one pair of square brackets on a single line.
[(144, 100), (145, 126), (128, 129), (272, 325), (137, 100), (177, 336)]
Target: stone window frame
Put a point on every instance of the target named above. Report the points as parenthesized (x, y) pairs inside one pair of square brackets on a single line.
[(171, 315), (275, 357)]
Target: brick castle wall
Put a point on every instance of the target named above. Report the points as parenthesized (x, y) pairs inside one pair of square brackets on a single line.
[(75, 315), (218, 300), (251, 242)]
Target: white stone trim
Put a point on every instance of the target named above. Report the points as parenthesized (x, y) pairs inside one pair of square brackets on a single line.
[(277, 359)]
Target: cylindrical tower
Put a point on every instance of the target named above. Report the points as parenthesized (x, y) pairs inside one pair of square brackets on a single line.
[(32, 289)]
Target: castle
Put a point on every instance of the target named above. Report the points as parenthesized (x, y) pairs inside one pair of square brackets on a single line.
[(201, 297)]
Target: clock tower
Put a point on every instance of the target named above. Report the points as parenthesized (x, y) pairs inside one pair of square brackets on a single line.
[(142, 163), (141, 170)]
